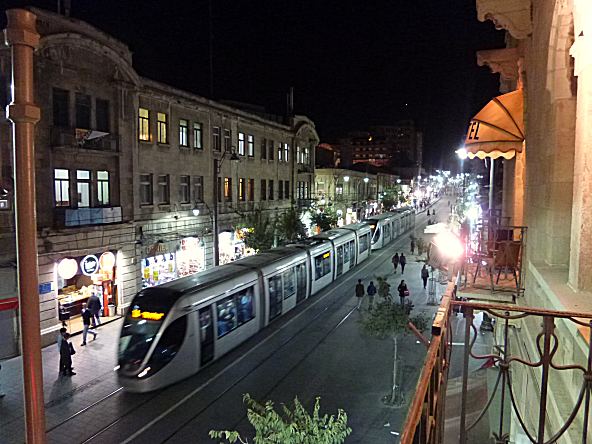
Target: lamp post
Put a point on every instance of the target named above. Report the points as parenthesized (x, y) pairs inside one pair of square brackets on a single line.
[(462, 155), (217, 166)]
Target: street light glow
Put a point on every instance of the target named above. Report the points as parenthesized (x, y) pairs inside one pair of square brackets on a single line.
[(366, 180), (449, 245), (346, 178), (462, 153)]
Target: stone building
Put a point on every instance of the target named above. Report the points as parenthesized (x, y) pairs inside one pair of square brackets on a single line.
[(546, 188), (126, 172)]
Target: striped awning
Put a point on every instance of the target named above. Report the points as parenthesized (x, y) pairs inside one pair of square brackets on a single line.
[(498, 129)]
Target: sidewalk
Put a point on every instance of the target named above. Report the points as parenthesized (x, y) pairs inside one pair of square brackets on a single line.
[(64, 396)]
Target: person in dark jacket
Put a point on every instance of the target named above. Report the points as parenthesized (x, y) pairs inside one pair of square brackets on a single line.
[(425, 274), (371, 292), (86, 317), (66, 356), (395, 261), (359, 293), (403, 262), (403, 292), (94, 305), (412, 245)]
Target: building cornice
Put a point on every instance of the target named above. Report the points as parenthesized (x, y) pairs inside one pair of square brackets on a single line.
[(514, 16)]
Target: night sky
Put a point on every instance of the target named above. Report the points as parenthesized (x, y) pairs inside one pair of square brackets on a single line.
[(351, 63)]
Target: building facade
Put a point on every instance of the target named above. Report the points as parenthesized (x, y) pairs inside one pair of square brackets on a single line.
[(127, 170), (546, 188)]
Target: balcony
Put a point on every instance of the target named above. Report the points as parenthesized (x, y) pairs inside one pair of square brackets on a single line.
[(510, 374), (71, 138), (76, 217), (493, 266)]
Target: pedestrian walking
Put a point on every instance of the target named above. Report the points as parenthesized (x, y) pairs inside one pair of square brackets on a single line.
[(66, 352), (403, 292), (59, 339), (412, 245), (359, 293), (395, 261), (424, 276), (371, 292), (94, 305), (86, 317), (403, 262)]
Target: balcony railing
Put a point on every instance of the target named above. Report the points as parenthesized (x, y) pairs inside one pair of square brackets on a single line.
[(530, 380), (67, 138), (75, 217)]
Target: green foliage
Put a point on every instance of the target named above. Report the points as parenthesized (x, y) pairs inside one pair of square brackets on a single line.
[(325, 220), (289, 227), (294, 426), (392, 197), (258, 231)]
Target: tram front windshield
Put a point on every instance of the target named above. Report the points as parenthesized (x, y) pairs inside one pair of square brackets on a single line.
[(142, 322)]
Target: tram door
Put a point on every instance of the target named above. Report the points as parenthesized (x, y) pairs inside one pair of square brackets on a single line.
[(300, 282), (339, 260), (206, 332)]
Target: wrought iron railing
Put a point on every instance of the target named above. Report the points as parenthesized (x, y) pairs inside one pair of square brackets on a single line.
[(560, 405)]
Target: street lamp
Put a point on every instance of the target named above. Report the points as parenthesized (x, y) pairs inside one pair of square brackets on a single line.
[(217, 166)]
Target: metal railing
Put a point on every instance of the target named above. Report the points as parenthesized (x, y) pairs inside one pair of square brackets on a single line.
[(546, 415)]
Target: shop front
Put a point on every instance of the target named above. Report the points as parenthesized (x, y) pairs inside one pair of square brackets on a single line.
[(78, 278), (232, 246), (166, 261)]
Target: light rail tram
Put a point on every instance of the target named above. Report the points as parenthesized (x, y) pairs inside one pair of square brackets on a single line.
[(172, 330)]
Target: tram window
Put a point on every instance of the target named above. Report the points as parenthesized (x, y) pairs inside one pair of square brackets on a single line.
[(169, 344), (322, 265), (376, 234), (363, 243), (352, 248), (245, 305), (135, 341), (275, 296), (289, 277), (346, 253), (205, 320), (227, 319), (301, 279)]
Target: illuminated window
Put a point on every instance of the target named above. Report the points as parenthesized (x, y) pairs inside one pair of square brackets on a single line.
[(306, 159), (227, 140), (216, 142), (227, 189), (279, 151), (83, 188), (161, 133), (242, 194), (61, 187), (286, 152), (164, 189), (103, 188), (299, 156), (197, 136), (270, 195), (145, 189), (183, 132), (184, 189), (251, 145), (144, 124), (241, 144)]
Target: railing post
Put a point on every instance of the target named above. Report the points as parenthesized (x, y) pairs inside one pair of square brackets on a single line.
[(469, 316), (548, 327)]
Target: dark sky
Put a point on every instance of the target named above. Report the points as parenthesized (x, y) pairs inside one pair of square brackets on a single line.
[(351, 62)]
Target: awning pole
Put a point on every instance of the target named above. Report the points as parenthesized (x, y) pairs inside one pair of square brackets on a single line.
[(491, 181)]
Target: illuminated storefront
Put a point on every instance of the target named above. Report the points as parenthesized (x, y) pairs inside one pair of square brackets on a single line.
[(167, 262), (79, 278), (232, 246)]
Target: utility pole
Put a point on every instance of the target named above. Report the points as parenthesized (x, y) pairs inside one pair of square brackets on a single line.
[(215, 208), (22, 37)]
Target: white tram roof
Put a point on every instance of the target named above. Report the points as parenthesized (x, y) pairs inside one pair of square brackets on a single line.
[(206, 279), (382, 216), (335, 234), (274, 259), (361, 227), (312, 244)]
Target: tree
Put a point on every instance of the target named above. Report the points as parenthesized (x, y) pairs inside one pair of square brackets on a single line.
[(295, 426), (289, 227), (258, 231), (325, 219), (389, 319)]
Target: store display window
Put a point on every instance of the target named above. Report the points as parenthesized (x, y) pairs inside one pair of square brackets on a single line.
[(232, 246)]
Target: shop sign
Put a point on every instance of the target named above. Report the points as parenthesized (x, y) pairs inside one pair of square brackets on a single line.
[(89, 264), (45, 288)]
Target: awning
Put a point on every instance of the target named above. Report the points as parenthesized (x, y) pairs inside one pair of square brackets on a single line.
[(498, 129)]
